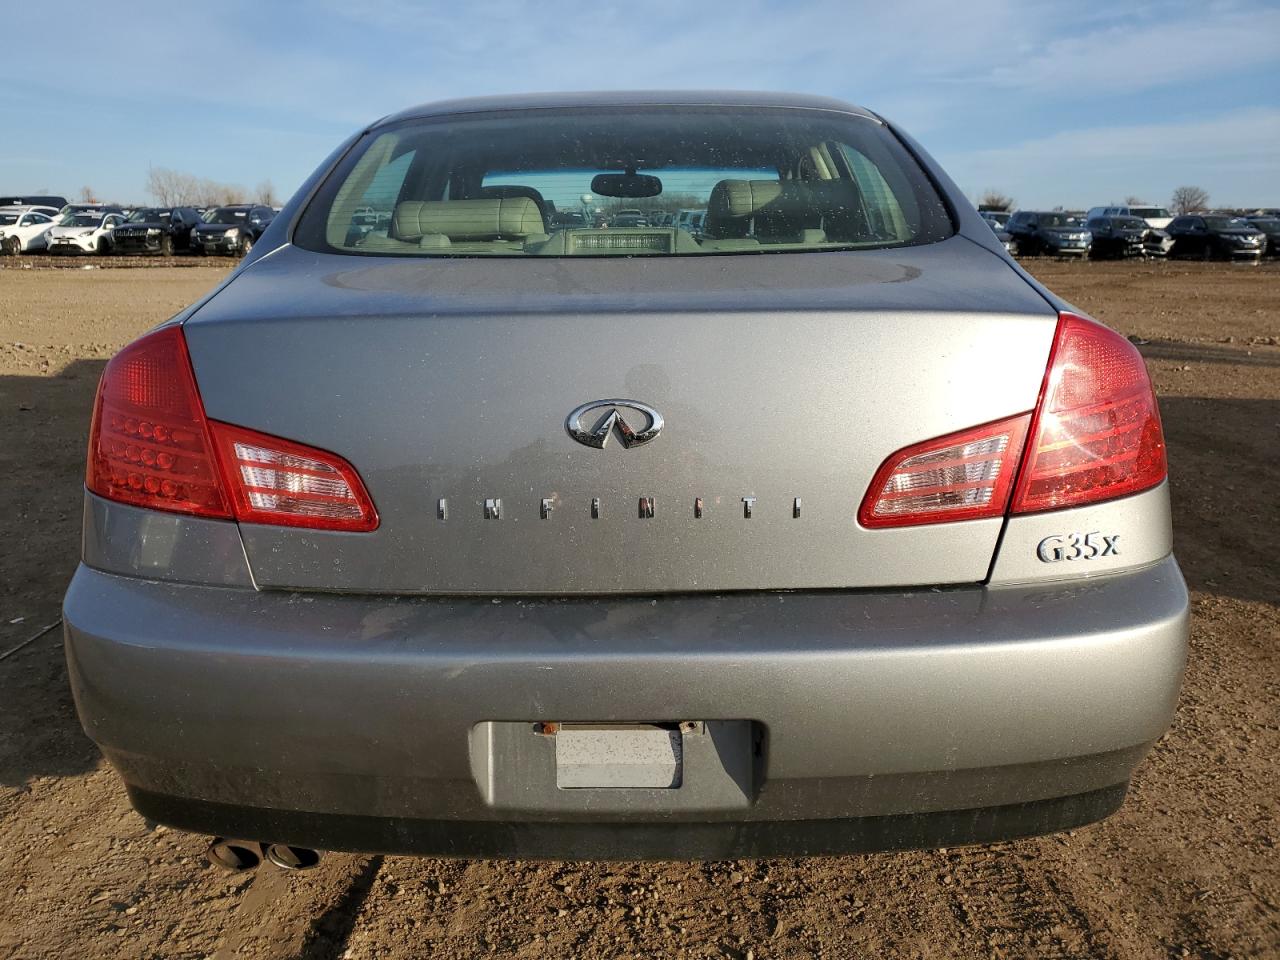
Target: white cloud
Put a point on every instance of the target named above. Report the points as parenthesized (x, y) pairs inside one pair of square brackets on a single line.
[(1154, 49), (1237, 154)]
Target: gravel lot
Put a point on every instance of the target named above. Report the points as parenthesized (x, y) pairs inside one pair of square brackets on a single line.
[(1188, 868)]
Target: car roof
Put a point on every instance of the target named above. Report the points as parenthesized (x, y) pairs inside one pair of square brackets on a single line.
[(625, 98)]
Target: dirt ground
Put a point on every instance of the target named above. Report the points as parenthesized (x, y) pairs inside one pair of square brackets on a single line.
[(1188, 868)]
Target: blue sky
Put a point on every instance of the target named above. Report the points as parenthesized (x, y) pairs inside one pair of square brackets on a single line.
[(1076, 103)]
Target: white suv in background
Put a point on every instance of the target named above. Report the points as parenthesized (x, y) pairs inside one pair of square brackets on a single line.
[(83, 231), (1157, 217), (23, 229)]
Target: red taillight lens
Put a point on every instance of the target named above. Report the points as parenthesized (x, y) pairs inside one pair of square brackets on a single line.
[(962, 476), (151, 445), (1096, 433), (277, 481)]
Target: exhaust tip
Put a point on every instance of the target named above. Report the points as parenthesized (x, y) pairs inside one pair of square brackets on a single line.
[(292, 858), (234, 856)]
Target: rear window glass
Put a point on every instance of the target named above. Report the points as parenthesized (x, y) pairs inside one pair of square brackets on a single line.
[(625, 182)]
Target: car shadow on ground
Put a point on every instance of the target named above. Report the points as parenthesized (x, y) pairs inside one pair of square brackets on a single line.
[(44, 421), (1223, 460)]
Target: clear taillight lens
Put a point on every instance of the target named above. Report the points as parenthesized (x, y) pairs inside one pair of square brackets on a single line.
[(151, 445), (281, 482), (962, 476)]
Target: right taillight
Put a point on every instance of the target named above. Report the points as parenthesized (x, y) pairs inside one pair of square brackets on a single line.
[(1096, 432)]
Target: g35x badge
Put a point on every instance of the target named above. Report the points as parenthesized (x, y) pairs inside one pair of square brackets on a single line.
[(1078, 546), (594, 431)]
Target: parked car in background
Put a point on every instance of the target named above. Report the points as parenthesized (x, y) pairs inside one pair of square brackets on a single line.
[(470, 607), (1213, 236), (1003, 235), (33, 200), (628, 218), (1269, 225), (1117, 236), (1157, 243), (999, 217), (231, 229), (1049, 233), (1157, 217), (159, 230), (23, 228), (685, 217), (84, 229)]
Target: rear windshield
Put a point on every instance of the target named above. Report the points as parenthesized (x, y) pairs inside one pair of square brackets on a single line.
[(1228, 223), (226, 215), (81, 220), (625, 182)]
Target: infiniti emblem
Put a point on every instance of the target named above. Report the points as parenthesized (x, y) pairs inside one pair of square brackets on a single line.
[(587, 428)]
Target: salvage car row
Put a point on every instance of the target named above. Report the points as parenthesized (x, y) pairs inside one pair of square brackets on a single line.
[(1119, 232), (94, 228)]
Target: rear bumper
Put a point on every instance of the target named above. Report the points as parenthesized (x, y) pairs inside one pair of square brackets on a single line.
[(125, 245), (405, 725), (725, 840)]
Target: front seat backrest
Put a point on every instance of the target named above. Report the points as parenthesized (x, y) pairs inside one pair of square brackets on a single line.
[(733, 205)]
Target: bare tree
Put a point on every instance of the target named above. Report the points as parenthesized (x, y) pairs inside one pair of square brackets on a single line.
[(1189, 199), (170, 187), (87, 195), (995, 200), (174, 188), (1132, 201), (265, 192)]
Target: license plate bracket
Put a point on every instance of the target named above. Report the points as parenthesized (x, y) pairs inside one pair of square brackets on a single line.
[(618, 768), (619, 756)]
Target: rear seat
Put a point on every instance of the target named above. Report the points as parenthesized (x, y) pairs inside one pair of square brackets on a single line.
[(516, 220), (463, 226)]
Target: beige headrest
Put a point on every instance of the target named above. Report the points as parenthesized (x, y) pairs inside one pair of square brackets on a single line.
[(506, 218)]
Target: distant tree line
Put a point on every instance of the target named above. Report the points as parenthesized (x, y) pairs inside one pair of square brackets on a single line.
[(174, 188), (1187, 199)]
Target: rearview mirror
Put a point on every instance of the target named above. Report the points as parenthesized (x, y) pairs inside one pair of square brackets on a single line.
[(629, 185)]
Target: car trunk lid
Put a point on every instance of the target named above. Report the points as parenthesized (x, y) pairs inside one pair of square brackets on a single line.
[(784, 381)]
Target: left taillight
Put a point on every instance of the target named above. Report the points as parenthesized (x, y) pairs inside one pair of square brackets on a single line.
[(151, 445)]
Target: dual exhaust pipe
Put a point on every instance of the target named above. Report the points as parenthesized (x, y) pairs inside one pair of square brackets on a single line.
[(241, 856)]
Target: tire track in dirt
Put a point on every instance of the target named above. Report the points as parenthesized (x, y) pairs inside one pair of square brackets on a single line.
[(1013, 907)]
